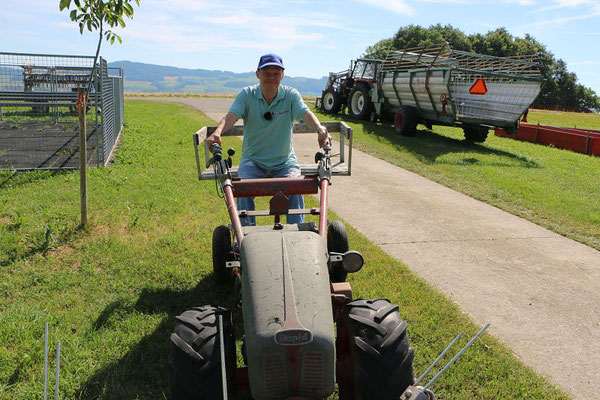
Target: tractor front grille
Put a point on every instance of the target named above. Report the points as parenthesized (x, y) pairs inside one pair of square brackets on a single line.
[(312, 373), (276, 382)]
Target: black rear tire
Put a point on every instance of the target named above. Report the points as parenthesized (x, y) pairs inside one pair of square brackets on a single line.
[(360, 104), (331, 101), (374, 358), (221, 253), (475, 133), (406, 121), (337, 242), (195, 364)]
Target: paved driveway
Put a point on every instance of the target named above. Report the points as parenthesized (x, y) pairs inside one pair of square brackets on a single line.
[(539, 290)]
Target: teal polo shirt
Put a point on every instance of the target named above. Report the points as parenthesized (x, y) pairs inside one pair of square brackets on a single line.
[(268, 143)]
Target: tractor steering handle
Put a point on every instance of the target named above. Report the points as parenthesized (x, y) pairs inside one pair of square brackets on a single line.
[(217, 155)]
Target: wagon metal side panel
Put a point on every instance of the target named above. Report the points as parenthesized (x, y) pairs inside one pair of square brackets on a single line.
[(504, 102), (422, 89), (437, 81)]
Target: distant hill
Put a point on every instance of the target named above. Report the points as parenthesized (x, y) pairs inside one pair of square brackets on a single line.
[(140, 77)]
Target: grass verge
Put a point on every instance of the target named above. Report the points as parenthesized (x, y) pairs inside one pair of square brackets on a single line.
[(554, 188), (110, 292)]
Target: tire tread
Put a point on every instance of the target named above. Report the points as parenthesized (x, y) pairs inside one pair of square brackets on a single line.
[(381, 357)]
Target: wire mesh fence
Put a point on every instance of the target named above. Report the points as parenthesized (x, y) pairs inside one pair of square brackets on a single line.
[(39, 127)]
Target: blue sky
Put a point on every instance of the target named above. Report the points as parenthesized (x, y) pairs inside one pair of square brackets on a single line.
[(313, 37)]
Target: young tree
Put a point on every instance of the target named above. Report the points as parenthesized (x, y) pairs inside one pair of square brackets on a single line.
[(94, 15)]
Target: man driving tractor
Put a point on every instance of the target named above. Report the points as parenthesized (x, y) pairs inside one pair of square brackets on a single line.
[(269, 110)]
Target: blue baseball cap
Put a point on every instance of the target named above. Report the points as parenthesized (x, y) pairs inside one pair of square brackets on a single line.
[(270, 59)]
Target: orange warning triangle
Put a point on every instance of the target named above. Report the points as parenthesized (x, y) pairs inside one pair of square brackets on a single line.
[(479, 87)]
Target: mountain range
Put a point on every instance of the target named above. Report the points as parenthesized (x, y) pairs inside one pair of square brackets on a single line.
[(140, 77)]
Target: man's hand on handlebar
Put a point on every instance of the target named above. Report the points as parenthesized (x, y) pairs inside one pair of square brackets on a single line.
[(324, 137), (213, 139)]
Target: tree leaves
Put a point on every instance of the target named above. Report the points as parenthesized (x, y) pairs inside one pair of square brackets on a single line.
[(91, 14), (64, 4)]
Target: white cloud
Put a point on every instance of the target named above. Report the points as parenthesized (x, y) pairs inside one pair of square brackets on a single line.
[(218, 33), (562, 12), (214, 26), (396, 6), (481, 2), (588, 62), (559, 21), (557, 4), (591, 6), (521, 2)]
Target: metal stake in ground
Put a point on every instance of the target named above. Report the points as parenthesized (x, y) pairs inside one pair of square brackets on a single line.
[(45, 361), (82, 154), (57, 370)]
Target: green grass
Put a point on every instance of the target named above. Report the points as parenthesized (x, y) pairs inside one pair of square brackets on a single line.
[(16, 115), (110, 292), (555, 188), (565, 119)]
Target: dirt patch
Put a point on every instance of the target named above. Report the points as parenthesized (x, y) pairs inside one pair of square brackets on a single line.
[(43, 144)]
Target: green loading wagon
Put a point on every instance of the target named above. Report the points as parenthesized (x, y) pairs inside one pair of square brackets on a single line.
[(441, 86)]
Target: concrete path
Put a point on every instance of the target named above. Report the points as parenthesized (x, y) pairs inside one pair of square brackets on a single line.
[(539, 290)]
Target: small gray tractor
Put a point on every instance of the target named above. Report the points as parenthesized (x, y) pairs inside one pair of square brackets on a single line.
[(290, 279)]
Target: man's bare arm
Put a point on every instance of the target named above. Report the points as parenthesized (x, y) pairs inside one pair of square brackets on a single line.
[(312, 121), (224, 125)]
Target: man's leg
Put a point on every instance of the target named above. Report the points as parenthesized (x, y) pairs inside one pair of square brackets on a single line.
[(248, 170), (295, 201)]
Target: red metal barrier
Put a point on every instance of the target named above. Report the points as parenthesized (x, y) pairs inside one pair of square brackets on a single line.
[(579, 140)]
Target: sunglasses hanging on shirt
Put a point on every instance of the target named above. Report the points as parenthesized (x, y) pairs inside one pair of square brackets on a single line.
[(269, 114)]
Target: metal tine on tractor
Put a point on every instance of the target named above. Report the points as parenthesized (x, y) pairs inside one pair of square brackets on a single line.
[(438, 359), (456, 356), (222, 346)]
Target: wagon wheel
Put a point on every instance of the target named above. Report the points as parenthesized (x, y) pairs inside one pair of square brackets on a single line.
[(475, 133), (332, 102), (221, 253), (337, 242), (406, 121), (359, 102), (194, 366), (374, 358)]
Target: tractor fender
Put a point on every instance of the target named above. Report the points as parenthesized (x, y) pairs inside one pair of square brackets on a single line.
[(288, 318)]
